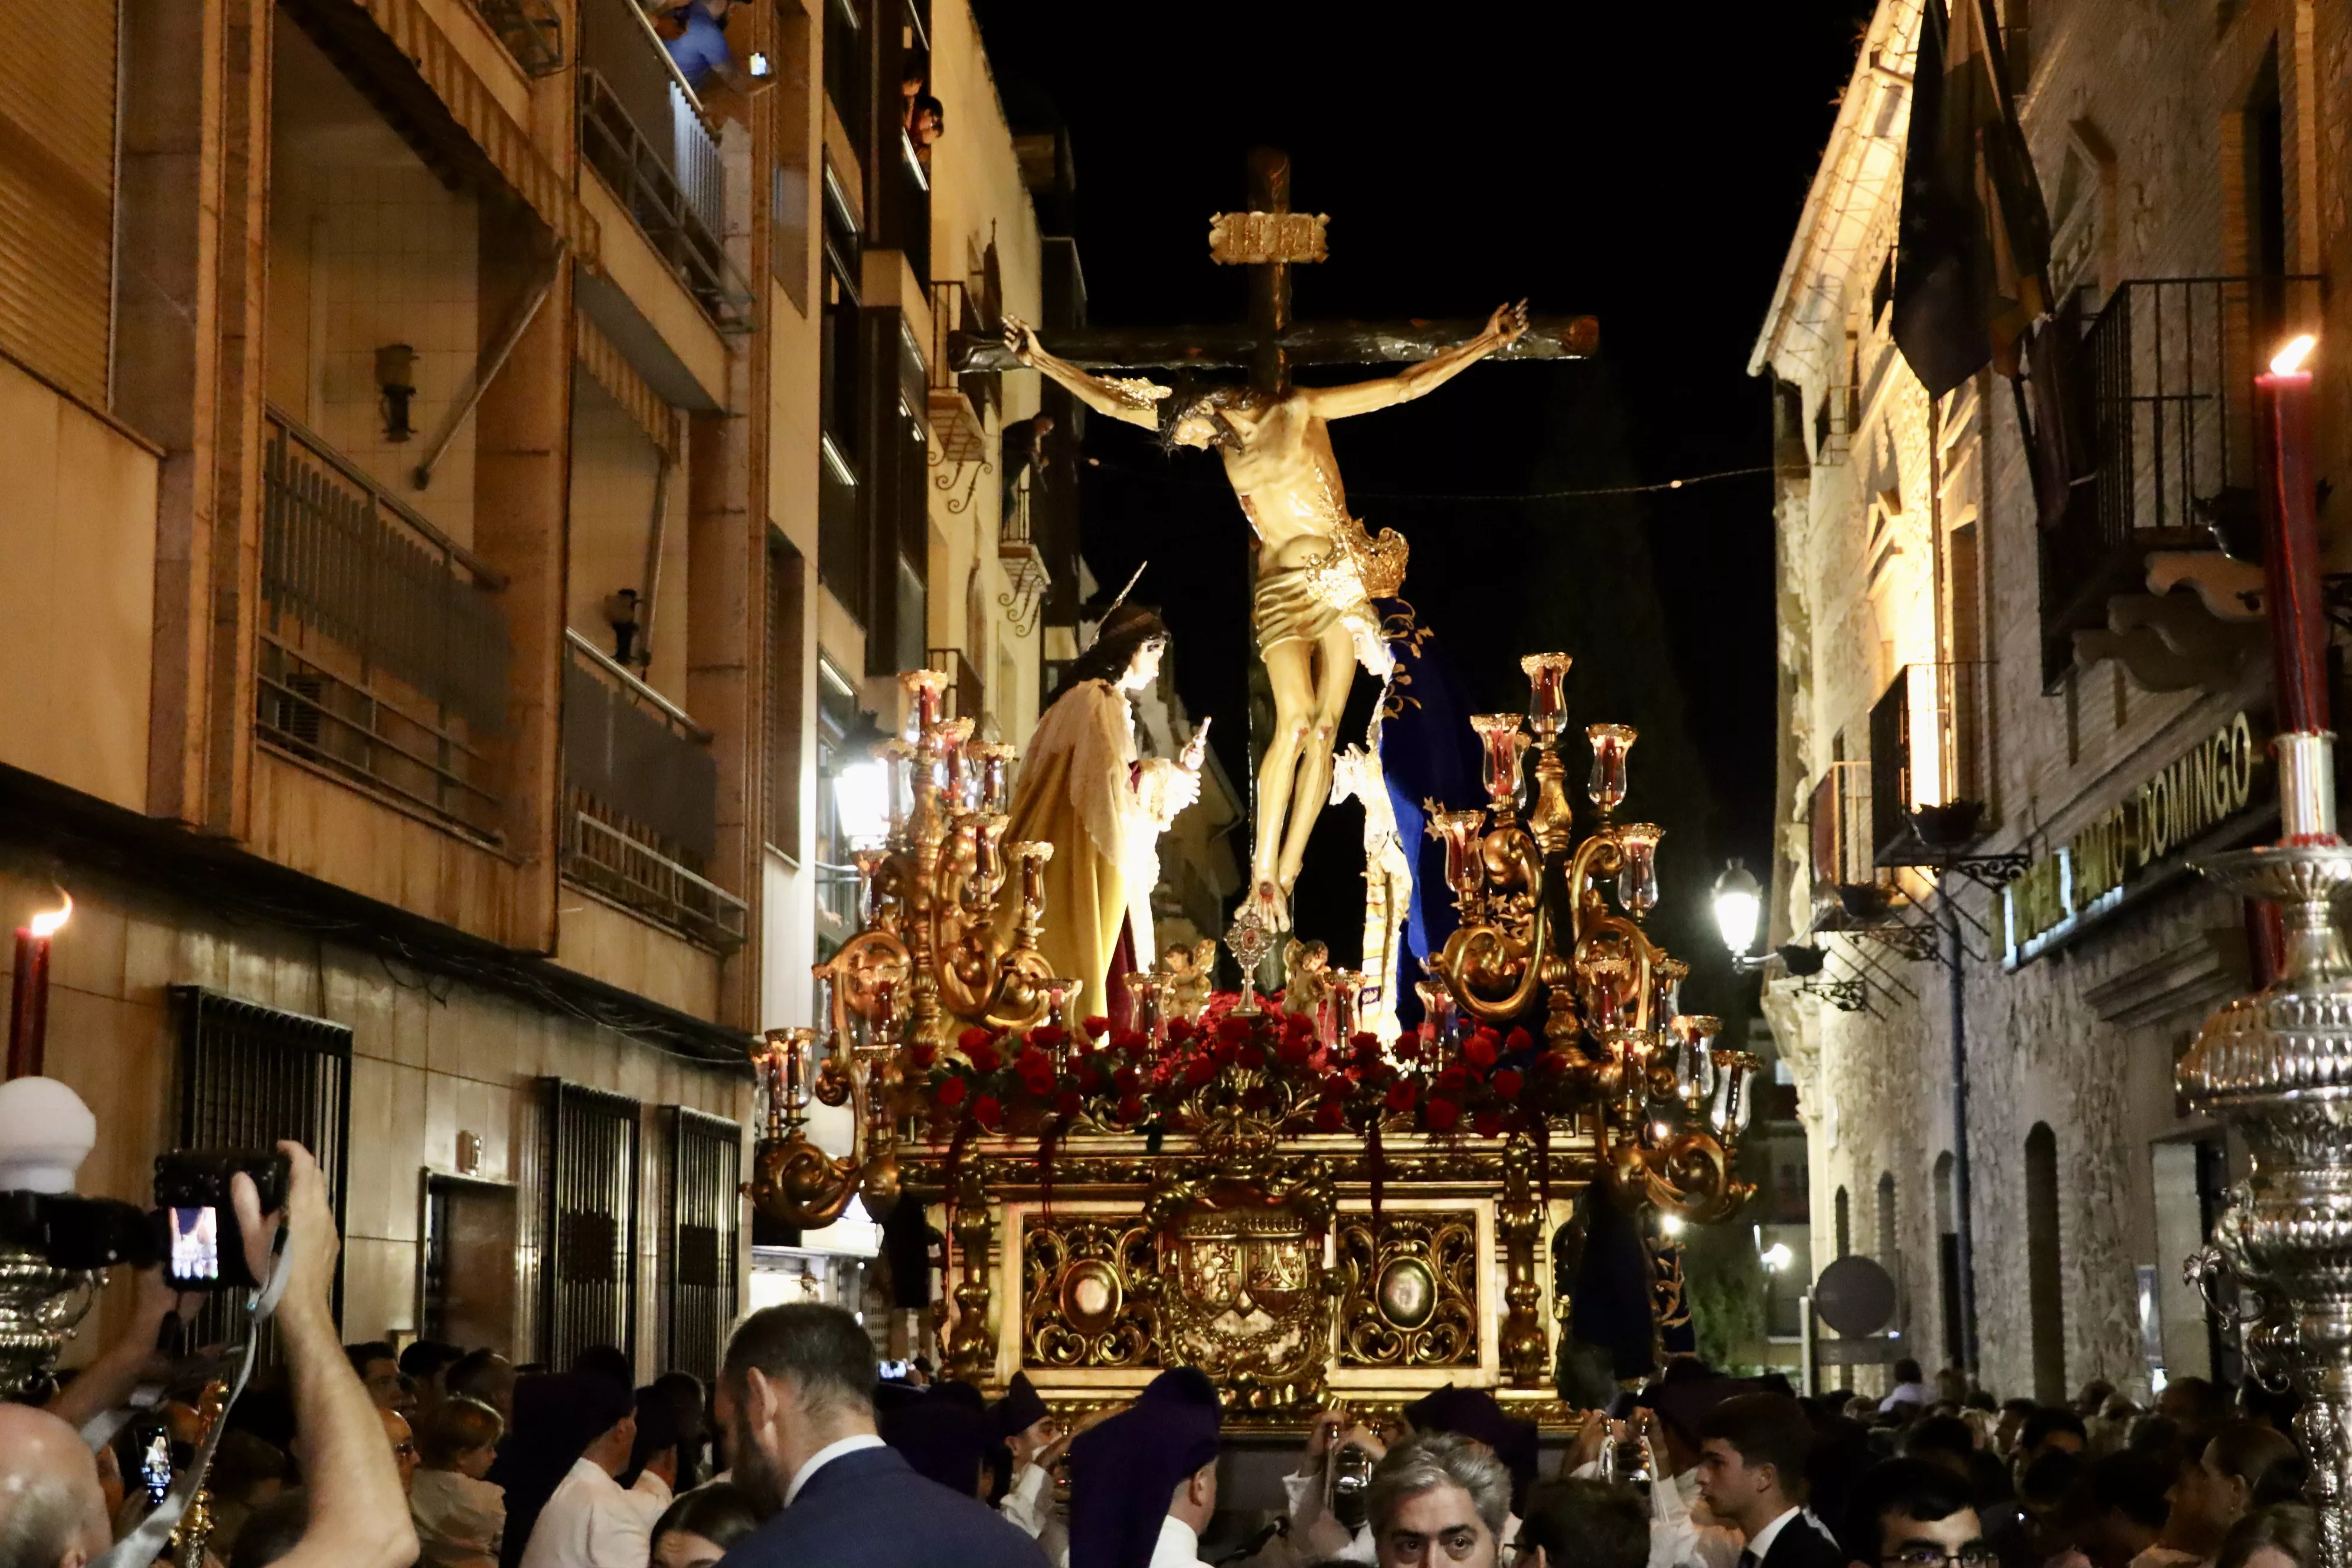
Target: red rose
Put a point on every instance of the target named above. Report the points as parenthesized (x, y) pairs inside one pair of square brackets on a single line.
[(1126, 1079), (1230, 1028), (1181, 1030), (1048, 1034), (1295, 1049), (1508, 1082), (1407, 1048), (1364, 1041), (1480, 1048), (1251, 1055), (1401, 1095), (1454, 1075), (1297, 1023), (1330, 1116), (987, 1113), (1131, 1110), (1518, 1039), (921, 1055), (1038, 1084), (1096, 1026), (1222, 1052), (951, 1093), (1129, 1042), (1336, 1087), (1488, 1123), (1199, 1070), (1441, 1115), (982, 1055), (1032, 1060), (974, 1037), (1067, 1103)]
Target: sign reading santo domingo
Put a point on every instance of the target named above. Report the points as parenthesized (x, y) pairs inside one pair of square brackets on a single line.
[(2085, 877)]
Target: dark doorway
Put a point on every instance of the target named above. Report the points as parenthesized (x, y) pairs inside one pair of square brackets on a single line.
[(2043, 1262), (468, 1295)]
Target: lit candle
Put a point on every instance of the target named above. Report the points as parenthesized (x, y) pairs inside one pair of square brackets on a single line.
[(1637, 875), (1547, 692), (1504, 744), (28, 1003), (1610, 744), (2291, 541)]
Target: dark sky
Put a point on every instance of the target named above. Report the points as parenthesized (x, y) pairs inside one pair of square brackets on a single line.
[(1644, 164)]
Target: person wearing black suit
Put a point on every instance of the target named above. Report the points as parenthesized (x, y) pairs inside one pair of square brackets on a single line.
[(800, 1379), (1751, 1469)]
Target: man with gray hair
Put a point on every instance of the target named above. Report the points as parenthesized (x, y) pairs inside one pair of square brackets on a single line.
[(1439, 1501)]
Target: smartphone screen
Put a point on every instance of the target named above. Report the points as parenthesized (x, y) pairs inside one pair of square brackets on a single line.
[(195, 1246), (155, 1467)]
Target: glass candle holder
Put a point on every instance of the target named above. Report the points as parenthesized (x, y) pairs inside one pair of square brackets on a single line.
[(1694, 1062), (922, 687), (1610, 744), (994, 760), (1666, 977), (1504, 743), (1547, 693), (898, 762), (1637, 874), (1458, 831), (1347, 1010), (1436, 1008), (1140, 1012)]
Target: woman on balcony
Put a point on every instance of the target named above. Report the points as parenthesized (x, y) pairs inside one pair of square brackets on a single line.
[(1083, 791)]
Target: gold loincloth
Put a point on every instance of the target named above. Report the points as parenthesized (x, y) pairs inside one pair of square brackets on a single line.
[(1300, 603)]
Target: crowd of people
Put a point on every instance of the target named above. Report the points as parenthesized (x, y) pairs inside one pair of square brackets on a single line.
[(362, 1455)]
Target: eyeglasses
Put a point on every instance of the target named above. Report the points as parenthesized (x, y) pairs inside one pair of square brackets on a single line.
[(1975, 1555)]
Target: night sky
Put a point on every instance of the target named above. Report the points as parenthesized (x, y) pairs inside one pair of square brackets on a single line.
[(1643, 163)]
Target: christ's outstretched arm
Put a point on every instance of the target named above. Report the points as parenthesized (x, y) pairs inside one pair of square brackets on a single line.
[(1137, 402), (1361, 397)]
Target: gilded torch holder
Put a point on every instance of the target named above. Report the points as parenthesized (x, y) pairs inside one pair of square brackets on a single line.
[(2277, 1066)]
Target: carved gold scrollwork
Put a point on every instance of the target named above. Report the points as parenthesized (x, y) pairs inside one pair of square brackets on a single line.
[(1081, 1301), (1411, 1295), (1242, 1289)]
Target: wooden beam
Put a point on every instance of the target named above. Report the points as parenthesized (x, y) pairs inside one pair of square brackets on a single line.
[(1304, 343)]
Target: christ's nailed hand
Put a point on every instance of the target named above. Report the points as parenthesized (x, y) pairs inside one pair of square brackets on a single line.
[(1020, 337), (1507, 323)]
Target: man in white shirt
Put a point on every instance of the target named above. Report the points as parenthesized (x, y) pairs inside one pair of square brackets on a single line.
[(590, 1522), (1910, 1388)]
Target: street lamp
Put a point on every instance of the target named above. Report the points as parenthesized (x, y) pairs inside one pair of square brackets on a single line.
[(1738, 901), (861, 789), (1777, 1257)]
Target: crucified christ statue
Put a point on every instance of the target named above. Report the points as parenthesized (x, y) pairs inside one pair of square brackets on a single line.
[(1317, 570)]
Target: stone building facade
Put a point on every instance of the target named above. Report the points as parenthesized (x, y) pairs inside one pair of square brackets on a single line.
[(2093, 682)]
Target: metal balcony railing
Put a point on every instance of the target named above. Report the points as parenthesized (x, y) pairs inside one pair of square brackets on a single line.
[(2170, 364), (384, 653), (530, 29), (641, 793), (1926, 751), (642, 128), (1838, 824), (957, 312)]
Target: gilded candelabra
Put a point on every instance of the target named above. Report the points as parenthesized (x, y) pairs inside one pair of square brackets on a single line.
[(1538, 929), (931, 956)]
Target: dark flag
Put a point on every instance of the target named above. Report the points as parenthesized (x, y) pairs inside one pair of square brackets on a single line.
[(1973, 245)]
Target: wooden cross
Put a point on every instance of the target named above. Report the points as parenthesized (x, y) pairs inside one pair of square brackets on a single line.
[(1271, 239)]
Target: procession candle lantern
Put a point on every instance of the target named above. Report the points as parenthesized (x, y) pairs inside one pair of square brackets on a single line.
[(1547, 693), (1436, 1008), (947, 742), (992, 757), (897, 758), (800, 1046), (1142, 1004), (1637, 875), (1504, 743), (1458, 831), (923, 685), (1610, 744), (1347, 986), (28, 1002)]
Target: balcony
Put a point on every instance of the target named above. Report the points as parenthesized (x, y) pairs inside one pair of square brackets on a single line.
[(1838, 825), (959, 405), (643, 129), (384, 656), (530, 29), (1928, 770), (2169, 364), (641, 801)]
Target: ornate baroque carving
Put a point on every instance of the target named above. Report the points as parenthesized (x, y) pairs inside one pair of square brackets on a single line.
[(1086, 1293), (1412, 1296)]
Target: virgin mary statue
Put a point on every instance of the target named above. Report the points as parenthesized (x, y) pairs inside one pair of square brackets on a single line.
[(1083, 791)]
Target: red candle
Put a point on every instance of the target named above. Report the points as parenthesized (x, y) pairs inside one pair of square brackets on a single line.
[(2291, 541), (28, 1002)]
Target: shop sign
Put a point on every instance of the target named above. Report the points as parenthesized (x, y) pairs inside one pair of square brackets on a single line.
[(2085, 877)]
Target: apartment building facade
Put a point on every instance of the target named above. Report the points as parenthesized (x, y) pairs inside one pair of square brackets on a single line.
[(468, 481), (2011, 716)]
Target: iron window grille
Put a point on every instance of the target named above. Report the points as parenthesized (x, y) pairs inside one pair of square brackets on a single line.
[(588, 1281), (706, 1168)]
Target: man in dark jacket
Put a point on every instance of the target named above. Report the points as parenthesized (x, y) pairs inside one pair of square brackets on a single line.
[(801, 1382)]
